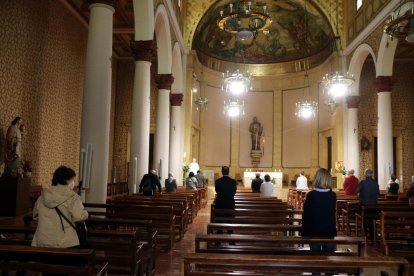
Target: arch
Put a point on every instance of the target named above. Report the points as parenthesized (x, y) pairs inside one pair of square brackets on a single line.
[(144, 19), (163, 36), (177, 70), (386, 52), (357, 62)]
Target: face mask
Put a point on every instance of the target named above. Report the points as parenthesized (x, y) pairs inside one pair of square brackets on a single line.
[(71, 185)]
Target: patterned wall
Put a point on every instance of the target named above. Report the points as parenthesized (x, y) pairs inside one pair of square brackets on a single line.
[(41, 79), (402, 113)]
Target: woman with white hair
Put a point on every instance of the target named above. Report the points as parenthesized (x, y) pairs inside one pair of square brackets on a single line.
[(170, 184)]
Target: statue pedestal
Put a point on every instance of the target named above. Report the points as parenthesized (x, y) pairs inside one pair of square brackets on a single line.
[(14, 196), (255, 156)]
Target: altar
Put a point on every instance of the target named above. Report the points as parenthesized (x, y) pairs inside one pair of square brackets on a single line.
[(248, 176)]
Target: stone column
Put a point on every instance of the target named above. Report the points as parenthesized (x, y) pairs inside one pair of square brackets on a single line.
[(385, 149), (96, 108), (353, 138), (176, 129), (143, 51), (162, 134)]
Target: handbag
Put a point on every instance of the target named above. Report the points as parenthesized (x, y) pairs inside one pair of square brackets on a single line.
[(80, 228)]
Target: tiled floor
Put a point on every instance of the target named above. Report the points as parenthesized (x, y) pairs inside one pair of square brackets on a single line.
[(172, 263)]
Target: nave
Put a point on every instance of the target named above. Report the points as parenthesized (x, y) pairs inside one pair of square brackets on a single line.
[(261, 227)]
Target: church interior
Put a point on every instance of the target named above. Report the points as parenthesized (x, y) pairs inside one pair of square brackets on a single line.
[(114, 89)]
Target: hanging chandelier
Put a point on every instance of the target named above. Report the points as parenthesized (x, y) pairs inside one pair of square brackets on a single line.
[(236, 83), (401, 24), (306, 108), (201, 102), (244, 19), (234, 107), (339, 80)]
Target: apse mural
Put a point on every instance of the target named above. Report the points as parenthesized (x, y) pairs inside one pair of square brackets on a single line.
[(285, 40)]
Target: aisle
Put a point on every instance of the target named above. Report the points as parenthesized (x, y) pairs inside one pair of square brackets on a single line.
[(172, 263)]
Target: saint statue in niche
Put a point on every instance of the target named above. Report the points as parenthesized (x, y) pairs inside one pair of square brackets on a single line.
[(256, 130), (13, 150)]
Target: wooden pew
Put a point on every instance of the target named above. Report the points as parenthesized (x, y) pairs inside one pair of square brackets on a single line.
[(257, 229), (189, 197), (146, 235), (180, 209), (197, 264), (270, 244), (256, 216), (396, 233), (120, 249), (28, 259), (371, 213), (163, 218)]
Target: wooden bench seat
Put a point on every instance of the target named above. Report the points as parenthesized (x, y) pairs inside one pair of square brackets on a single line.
[(120, 249), (256, 216), (28, 259), (268, 244), (180, 209), (197, 264), (145, 232), (162, 217), (371, 213), (396, 233), (258, 229)]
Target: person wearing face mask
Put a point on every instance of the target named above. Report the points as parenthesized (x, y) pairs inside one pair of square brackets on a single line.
[(170, 184), (52, 230)]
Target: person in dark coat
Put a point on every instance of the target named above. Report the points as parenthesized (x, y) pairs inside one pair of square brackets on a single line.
[(256, 183), (226, 188), (149, 183), (368, 191), (319, 211)]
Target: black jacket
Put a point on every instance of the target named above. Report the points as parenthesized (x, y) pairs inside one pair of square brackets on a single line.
[(226, 188), (155, 182), (368, 191), (256, 183), (170, 187), (319, 214)]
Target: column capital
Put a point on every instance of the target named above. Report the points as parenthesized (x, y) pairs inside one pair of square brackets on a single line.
[(111, 3), (384, 83), (353, 101), (143, 50), (164, 81), (176, 99)]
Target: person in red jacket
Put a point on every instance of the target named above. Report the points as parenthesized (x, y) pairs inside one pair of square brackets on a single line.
[(351, 183)]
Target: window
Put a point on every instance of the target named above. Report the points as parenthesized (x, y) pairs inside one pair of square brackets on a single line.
[(358, 4)]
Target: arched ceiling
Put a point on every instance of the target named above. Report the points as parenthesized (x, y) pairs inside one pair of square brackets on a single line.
[(282, 48)]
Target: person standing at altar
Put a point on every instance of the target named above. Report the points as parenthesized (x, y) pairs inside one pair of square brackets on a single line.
[(194, 167), (302, 182), (13, 150), (256, 183)]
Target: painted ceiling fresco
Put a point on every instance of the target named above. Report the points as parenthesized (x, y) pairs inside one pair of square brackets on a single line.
[(286, 39)]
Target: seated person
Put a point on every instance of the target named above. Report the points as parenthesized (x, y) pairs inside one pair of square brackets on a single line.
[(170, 184), (256, 182), (394, 186), (266, 188), (191, 183)]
